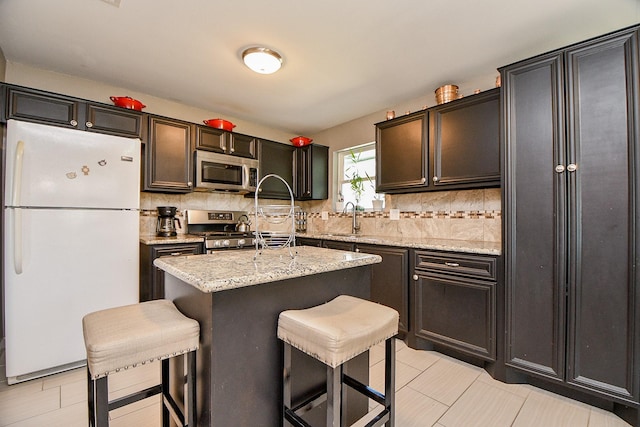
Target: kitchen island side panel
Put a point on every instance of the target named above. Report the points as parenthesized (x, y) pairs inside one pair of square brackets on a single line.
[(240, 358)]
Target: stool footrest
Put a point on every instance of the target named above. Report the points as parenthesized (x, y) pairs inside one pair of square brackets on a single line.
[(295, 419), (312, 402), (173, 408), (371, 393), (134, 397)]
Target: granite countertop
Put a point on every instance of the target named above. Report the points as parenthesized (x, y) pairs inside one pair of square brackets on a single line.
[(467, 246), (236, 269), (152, 239)]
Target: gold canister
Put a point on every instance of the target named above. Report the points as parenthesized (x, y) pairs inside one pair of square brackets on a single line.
[(446, 93)]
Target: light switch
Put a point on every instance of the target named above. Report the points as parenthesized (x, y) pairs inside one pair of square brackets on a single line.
[(325, 215), (394, 214)]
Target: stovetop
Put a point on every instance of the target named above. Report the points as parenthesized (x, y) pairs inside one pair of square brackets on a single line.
[(217, 229)]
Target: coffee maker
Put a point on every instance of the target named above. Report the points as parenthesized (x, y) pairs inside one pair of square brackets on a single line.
[(166, 226)]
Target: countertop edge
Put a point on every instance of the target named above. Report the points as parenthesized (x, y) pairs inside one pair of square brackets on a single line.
[(449, 245)]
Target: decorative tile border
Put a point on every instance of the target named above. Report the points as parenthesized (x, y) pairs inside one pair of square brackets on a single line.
[(417, 215)]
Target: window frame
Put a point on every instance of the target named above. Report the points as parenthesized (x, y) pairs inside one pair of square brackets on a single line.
[(339, 173)]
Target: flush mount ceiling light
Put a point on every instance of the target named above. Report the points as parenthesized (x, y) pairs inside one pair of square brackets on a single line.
[(262, 60)]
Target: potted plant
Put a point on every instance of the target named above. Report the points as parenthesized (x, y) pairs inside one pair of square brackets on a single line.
[(357, 183), (355, 180)]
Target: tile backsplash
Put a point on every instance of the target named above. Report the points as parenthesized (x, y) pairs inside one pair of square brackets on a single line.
[(461, 215)]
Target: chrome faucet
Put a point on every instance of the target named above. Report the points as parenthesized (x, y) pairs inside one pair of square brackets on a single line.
[(355, 227)]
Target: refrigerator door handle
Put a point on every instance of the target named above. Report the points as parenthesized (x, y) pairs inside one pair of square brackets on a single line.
[(17, 240), (17, 174), (17, 213)]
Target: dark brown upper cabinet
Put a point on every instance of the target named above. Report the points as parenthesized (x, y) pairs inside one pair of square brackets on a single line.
[(64, 111), (312, 172), (220, 141), (276, 158), (168, 157), (401, 154), (464, 142)]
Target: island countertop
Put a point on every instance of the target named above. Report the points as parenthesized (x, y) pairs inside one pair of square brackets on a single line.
[(236, 269)]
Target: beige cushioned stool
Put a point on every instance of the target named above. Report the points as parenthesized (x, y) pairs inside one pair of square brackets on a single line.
[(124, 337), (334, 333)]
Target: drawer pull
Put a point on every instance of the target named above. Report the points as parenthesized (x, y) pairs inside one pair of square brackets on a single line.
[(452, 264), (176, 253)]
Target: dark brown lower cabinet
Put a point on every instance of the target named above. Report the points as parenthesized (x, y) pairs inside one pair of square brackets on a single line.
[(455, 301), (305, 241), (390, 280), (341, 246), (151, 277)]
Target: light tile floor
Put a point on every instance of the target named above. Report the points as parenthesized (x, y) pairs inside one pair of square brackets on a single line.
[(432, 390)]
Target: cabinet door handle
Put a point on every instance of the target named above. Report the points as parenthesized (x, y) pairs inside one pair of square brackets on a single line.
[(452, 264), (73, 123), (357, 250), (423, 180), (415, 277), (572, 167), (436, 179), (89, 124), (560, 168)]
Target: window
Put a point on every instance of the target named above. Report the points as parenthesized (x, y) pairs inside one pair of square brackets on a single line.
[(356, 174)]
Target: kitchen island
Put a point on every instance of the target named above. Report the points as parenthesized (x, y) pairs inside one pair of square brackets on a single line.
[(237, 301)]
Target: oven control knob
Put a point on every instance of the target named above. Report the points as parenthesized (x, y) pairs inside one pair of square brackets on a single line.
[(241, 242), (216, 243), (225, 243)]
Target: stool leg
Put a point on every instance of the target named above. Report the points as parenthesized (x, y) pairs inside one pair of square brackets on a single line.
[(101, 402), (166, 415), (90, 398), (286, 382), (190, 404), (334, 395), (390, 380)]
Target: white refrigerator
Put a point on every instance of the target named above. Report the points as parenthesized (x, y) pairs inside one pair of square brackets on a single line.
[(71, 225)]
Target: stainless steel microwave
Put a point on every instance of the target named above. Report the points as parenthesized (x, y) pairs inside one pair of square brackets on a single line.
[(222, 172)]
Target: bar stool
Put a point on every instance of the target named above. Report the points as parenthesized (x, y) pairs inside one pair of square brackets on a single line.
[(334, 333), (124, 337)]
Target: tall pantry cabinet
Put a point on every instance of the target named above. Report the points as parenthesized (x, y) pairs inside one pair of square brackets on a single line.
[(571, 216)]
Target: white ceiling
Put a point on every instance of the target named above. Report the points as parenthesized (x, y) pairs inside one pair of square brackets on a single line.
[(343, 59)]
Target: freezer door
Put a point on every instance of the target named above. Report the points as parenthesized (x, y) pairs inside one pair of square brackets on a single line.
[(72, 262), (48, 166)]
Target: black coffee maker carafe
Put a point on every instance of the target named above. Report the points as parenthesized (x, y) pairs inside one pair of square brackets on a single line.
[(166, 226)]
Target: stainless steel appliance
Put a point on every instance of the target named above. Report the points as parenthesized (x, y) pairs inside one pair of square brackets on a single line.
[(218, 229), (71, 225), (166, 226), (222, 172)]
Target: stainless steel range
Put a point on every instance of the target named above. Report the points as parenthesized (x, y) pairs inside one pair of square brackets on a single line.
[(219, 229)]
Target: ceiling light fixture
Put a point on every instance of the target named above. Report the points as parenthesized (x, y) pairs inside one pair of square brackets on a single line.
[(262, 60)]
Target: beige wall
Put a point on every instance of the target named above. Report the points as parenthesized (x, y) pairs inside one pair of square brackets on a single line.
[(3, 66), (362, 130), (24, 75)]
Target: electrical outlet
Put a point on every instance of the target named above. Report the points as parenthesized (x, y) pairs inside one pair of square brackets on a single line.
[(394, 214), (324, 215)]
